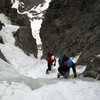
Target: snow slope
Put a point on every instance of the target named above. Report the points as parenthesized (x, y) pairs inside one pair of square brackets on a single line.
[(24, 78)]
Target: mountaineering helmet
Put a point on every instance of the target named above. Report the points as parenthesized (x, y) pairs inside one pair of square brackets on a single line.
[(52, 57)]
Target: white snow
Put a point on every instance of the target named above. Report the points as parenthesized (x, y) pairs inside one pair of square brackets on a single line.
[(35, 24), (98, 55), (75, 58), (15, 4), (4, 19), (7, 30), (14, 86), (39, 8), (69, 90), (24, 78)]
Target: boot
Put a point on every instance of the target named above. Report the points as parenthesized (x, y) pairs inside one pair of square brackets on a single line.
[(58, 76), (47, 72)]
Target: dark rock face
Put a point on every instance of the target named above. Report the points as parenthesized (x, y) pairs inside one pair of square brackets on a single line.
[(1, 25), (23, 36), (2, 56), (1, 40), (5, 6), (25, 40), (93, 69), (72, 27), (19, 19), (28, 4)]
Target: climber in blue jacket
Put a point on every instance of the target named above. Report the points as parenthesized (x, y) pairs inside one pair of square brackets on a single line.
[(64, 66)]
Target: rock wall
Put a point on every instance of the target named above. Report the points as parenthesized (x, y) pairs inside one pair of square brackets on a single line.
[(1, 25), (2, 56), (5, 6), (23, 36), (93, 69), (18, 19), (26, 5), (26, 41), (2, 42), (72, 27)]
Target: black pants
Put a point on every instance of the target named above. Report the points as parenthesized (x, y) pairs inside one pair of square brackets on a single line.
[(63, 69), (49, 67)]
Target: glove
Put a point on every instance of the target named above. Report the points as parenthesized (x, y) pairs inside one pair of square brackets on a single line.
[(52, 60), (54, 64)]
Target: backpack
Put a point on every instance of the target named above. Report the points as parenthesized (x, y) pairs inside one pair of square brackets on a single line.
[(62, 59), (69, 63)]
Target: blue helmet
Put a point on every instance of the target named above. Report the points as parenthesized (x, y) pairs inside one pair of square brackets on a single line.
[(62, 56)]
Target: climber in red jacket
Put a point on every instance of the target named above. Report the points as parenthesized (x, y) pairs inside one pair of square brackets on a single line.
[(50, 59)]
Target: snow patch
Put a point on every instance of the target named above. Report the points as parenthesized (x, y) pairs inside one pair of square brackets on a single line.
[(98, 55), (4, 19), (7, 33), (15, 4)]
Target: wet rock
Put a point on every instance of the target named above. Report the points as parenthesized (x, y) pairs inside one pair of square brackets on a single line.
[(25, 40), (2, 56), (93, 69), (5, 6), (1, 40), (18, 19), (1, 24), (71, 27), (26, 5)]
